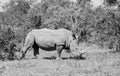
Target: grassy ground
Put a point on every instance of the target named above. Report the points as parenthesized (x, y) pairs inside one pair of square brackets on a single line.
[(98, 62)]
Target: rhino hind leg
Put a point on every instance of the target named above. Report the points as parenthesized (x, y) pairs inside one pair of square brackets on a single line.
[(36, 50), (59, 50), (29, 41)]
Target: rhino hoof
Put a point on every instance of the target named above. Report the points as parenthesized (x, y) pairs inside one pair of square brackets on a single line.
[(35, 57), (57, 59)]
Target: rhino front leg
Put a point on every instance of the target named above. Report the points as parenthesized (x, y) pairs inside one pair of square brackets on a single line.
[(59, 50)]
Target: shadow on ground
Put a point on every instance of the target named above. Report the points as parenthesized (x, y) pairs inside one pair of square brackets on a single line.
[(65, 58), (114, 52)]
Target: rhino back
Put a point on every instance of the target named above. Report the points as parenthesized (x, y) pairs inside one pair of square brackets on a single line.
[(48, 38)]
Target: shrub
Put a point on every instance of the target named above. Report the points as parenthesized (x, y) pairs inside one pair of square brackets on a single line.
[(7, 42)]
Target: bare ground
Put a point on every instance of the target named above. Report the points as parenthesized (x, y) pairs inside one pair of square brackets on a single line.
[(98, 62)]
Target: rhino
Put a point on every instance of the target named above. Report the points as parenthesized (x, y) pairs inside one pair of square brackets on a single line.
[(50, 40)]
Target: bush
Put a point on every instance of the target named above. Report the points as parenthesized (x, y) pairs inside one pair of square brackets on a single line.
[(7, 42), (100, 26)]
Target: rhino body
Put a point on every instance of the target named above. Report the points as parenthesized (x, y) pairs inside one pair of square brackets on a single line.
[(50, 40)]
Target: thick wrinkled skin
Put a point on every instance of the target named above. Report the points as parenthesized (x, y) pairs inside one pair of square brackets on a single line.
[(50, 40)]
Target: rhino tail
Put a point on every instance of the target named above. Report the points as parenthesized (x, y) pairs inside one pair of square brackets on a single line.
[(29, 41)]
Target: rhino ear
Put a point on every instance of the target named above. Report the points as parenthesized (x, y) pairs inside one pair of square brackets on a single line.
[(74, 36)]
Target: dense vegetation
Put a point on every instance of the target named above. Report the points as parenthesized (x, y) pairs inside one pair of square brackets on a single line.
[(100, 26)]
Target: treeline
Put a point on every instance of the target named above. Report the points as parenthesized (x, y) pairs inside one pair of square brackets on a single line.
[(99, 26)]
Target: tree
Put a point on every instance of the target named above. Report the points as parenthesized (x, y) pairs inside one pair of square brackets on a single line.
[(16, 12)]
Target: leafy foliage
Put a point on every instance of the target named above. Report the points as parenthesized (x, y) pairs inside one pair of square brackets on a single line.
[(100, 26), (7, 46)]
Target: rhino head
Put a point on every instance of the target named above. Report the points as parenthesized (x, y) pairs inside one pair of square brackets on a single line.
[(75, 48), (73, 43)]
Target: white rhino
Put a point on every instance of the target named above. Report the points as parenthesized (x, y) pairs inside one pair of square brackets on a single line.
[(50, 40)]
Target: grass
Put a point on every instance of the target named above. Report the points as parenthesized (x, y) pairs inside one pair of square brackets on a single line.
[(96, 64)]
